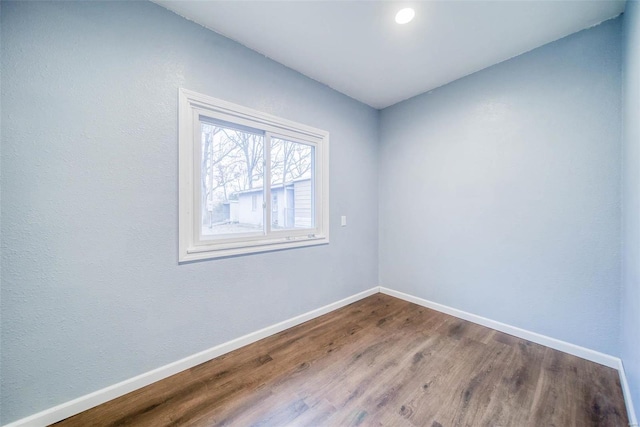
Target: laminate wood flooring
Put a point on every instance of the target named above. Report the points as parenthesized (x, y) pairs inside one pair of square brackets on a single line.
[(379, 361)]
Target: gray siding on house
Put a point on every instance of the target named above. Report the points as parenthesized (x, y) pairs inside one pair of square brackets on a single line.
[(303, 204), (246, 212), (294, 212)]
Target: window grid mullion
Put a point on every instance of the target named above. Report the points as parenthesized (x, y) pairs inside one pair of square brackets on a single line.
[(196, 206), (267, 183)]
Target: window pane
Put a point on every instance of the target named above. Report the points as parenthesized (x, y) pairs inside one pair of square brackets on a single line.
[(232, 180), (292, 185)]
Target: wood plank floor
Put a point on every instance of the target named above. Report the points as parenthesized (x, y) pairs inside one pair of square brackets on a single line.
[(379, 361)]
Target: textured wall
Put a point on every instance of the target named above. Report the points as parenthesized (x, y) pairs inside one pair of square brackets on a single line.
[(630, 335), (91, 290), (500, 192)]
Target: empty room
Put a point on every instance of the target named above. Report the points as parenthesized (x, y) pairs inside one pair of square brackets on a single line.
[(320, 213)]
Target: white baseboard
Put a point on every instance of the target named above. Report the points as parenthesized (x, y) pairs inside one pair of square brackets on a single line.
[(633, 421), (73, 407), (582, 352), (585, 353)]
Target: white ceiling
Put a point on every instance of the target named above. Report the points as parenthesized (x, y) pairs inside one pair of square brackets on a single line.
[(357, 48)]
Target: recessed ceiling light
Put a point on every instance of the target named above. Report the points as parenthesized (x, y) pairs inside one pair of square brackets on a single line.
[(405, 15)]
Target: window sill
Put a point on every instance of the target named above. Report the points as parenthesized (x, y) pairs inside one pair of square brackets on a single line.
[(208, 252)]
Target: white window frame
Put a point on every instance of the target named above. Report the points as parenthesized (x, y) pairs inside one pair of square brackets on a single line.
[(192, 247)]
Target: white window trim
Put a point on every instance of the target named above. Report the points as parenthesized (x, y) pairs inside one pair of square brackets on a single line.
[(191, 248)]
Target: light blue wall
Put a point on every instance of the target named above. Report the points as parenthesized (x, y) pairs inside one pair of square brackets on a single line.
[(500, 192), (630, 335), (91, 290)]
